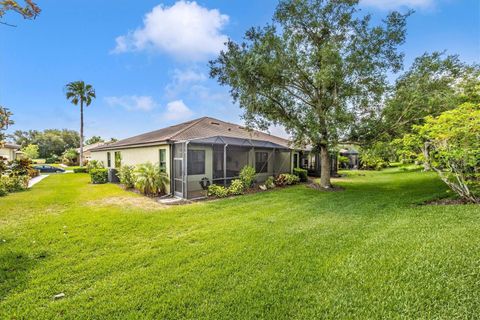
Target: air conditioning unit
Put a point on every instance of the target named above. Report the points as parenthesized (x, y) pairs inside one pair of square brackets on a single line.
[(113, 176)]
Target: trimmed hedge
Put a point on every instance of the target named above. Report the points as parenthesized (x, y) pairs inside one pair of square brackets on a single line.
[(301, 173), (80, 170), (99, 176)]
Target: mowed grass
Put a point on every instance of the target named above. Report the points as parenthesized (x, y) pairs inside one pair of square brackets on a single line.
[(368, 252)]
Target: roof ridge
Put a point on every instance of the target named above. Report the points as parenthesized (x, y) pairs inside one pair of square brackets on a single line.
[(246, 128), (194, 122)]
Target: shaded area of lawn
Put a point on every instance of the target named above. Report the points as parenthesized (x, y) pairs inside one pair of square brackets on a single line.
[(367, 252)]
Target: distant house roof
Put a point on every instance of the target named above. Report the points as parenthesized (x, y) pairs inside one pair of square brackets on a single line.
[(201, 128), (92, 146), (348, 152), (11, 146)]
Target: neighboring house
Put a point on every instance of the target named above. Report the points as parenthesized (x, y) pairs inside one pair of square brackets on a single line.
[(353, 157), (87, 150), (10, 152), (204, 151)]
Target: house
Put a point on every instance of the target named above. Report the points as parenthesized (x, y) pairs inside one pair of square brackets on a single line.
[(204, 151), (9, 152), (87, 150), (353, 157)]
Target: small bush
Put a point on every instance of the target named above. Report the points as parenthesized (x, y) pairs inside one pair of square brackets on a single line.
[(301, 173), (80, 170), (21, 167), (285, 179), (217, 191), (236, 187), (14, 183), (3, 191), (99, 176), (150, 180), (126, 176), (247, 176), (52, 159), (343, 162), (270, 182), (94, 164)]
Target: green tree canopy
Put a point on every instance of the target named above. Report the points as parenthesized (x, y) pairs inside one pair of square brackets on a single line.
[(317, 66), (433, 84), (50, 141), (94, 139), (5, 121), (31, 151), (453, 139)]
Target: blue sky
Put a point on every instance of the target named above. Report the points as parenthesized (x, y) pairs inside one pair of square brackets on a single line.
[(148, 59)]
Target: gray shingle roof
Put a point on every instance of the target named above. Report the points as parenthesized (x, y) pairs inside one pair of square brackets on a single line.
[(199, 128)]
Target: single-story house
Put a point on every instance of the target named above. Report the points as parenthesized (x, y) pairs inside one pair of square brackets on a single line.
[(206, 151), (10, 152), (353, 157), (87, 150)]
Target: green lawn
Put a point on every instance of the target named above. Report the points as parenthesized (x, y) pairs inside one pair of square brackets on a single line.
[(368, 252)]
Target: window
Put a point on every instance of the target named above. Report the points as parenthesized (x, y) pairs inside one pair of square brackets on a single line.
[(163, 160), (109, 160), (261, 162), (118, 159), (196, 162)]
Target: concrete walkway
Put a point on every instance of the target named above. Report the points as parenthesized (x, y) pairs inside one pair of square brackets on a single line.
[(36, 180)]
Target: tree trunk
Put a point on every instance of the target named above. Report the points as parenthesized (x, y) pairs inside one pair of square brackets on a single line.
[(81, 133), (426, 163), (325, 167)]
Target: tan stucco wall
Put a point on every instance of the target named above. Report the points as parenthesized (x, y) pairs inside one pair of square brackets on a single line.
[(135, 156), (7, 153)]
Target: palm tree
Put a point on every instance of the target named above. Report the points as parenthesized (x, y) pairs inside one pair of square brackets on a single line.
[(79, 92)]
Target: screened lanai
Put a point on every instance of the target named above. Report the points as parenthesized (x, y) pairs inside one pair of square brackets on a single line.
[(198, 163)]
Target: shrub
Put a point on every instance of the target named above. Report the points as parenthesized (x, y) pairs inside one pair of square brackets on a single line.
[(126, 175), (53, 159), (21, 167), (150, 180), (80, 170), (343, 162), (270, 182), (95, 164), (247, 176), (31, 151), (217, 191), (301, 173), (3, 191), (454, 149), (99, 176), (236, 187), (371, 161), (70, 156), (286, 179), (14, 183)]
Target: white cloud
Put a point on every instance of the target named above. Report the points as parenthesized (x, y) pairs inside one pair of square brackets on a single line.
[(182, 81), (185, 30), (392, 4), (132, 103), (188, 75), (177, 110)]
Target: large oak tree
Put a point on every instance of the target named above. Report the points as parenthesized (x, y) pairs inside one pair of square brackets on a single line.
[(317, 66)]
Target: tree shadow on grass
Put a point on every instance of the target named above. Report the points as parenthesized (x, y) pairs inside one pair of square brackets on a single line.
[(14, 269)]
